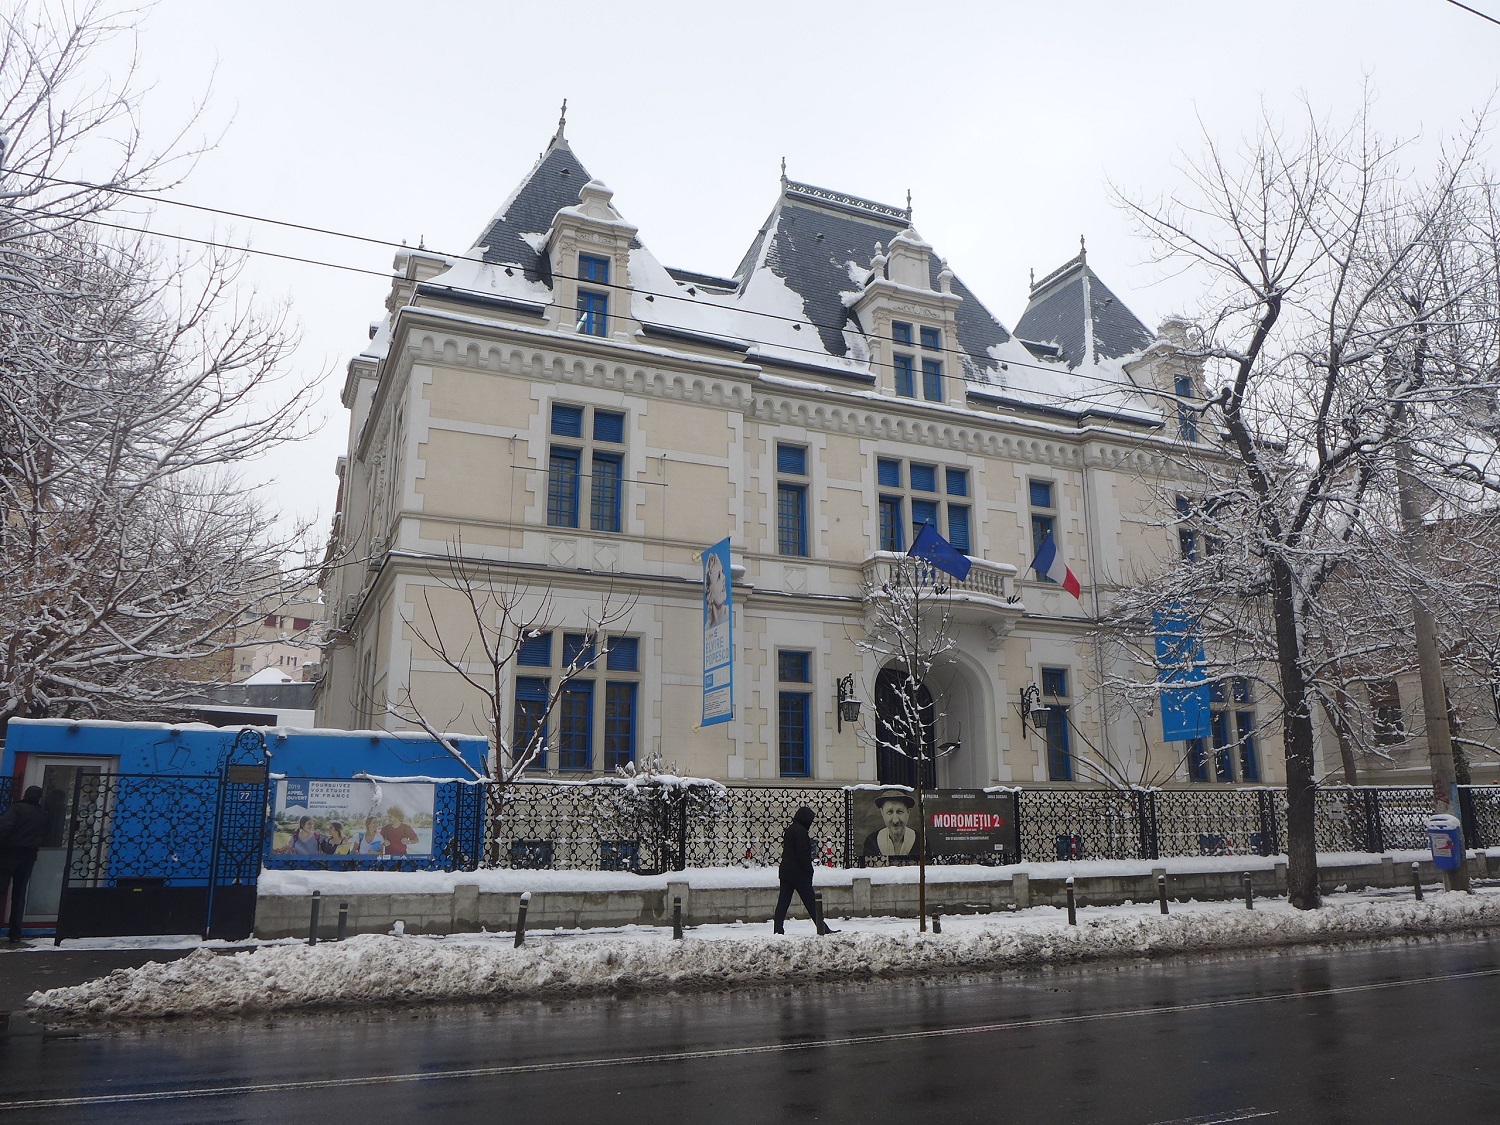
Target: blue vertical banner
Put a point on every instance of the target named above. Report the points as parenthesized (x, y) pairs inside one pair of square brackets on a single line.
[(1184, 684), (718, 635)]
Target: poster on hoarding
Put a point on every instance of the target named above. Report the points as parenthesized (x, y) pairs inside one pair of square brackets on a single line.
[(959, 822), (718, 635), (352, 820)]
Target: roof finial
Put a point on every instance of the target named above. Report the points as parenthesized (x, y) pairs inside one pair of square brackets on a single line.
[(1033, 277), (562, 122), (783, 171), (908, 205), (1083, 251)]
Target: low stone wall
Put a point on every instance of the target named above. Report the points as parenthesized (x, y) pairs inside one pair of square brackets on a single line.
[(468, 909)]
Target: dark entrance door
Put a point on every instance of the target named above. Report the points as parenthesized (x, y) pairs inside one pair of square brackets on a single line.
[(906, 729), (167, 854)]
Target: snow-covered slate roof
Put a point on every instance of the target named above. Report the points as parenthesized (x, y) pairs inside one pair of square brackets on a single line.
[(810, 240), (1074, 310), (788, 301)]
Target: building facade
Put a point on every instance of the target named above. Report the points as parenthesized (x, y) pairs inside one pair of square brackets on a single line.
[(558, 414)]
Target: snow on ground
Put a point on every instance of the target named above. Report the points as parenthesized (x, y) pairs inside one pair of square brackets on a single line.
[(374, 970), (304, 882)]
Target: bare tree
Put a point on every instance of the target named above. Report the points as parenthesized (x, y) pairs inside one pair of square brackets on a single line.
[(135, 387), (909, 632), (1331, 274), (476, 628)]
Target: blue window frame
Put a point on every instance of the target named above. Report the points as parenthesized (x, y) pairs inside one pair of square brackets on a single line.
[(531, 705), (624, 655), (791, 459), (892, 530), (958, 482), (562, 488), (901, 332), (1043, 521), (906, 381), (793, 713), (1187, 417), (576, 646), (923, 477), (931, 338), (1249, 760), (604, 492), (932, 380), (592, 268), (575, 726), (609, 426), (593, 313), (888, 473), (536, 652), (619, 724), (1197, 760), (958, 527), (792, 734), (567, 421), (791, 519), (1041, 493), (922, 512), (1223, 749), (1059, 737)]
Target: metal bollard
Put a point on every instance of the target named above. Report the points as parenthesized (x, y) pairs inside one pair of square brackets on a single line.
[(343, 921), (937, 923), (1072, 904), (1161, 892), (677, 917), (1416, 879), (312, 926), (521, 919), (1249, 892)]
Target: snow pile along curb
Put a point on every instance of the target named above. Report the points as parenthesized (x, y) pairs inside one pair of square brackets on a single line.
[(373, 970)]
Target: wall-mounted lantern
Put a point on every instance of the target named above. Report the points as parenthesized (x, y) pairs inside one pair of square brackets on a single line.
[(847, 706), (1032, 707)]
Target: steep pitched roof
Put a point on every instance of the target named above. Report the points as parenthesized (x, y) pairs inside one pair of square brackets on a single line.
[(1072, 309), (814, 237), (554, 182)]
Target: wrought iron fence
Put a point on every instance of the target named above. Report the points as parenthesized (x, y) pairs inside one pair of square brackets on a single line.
[(653, 827), (6, 784)]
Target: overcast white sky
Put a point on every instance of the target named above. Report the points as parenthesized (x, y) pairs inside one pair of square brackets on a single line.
[(1008, 121)]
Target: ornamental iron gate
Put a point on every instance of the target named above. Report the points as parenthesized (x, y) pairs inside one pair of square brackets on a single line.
[(165, 854)]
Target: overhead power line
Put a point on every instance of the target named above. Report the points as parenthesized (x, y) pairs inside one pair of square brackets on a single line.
[(1113, 385), (1475, 11)]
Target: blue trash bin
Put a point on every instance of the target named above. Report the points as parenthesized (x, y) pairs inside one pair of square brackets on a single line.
[(1445, 837)]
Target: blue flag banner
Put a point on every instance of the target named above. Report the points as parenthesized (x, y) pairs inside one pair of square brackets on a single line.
[(1179, 663), (932, 548), (718, 635)]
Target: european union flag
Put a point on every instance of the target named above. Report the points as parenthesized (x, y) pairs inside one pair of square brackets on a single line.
[(932, 548)]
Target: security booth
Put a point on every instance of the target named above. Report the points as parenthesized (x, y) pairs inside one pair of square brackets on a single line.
[(155, 828)]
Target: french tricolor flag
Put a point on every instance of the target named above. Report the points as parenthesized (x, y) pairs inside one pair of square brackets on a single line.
[(1049, 564)]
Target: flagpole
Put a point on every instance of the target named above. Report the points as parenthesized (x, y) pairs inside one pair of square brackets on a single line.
[(911, 677)]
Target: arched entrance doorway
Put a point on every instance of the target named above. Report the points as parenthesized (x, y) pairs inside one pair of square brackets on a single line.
[(904, 719)]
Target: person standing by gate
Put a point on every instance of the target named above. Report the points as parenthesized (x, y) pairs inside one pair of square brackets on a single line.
[(21, 831), (796, 871)]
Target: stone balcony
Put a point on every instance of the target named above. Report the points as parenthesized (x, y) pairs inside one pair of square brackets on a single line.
[(987, 597)]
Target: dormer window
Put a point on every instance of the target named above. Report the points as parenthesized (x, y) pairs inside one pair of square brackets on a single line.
[(593, 307), (904, 364)]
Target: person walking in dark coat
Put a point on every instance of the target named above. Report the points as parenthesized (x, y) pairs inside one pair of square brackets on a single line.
[(21, 831), (796, 871)]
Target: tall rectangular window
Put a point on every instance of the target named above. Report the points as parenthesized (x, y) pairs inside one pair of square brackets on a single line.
[(575, 726), (600, 456), (932, 339), (1187, 416), (1059, 738), (1187, 535), (1385, 707), (793, 713), (531, 705), (593, 306), (932, 380), (1043, 516), (1229, 753), (791, 499), (906, 380), (619, 724)]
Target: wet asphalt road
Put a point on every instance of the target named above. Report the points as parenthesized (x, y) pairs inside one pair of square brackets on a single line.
[(1396, 1033)]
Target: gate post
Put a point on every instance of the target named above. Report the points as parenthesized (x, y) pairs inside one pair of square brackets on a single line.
[(1374, 833), (1145, 814), (1269, 835)]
